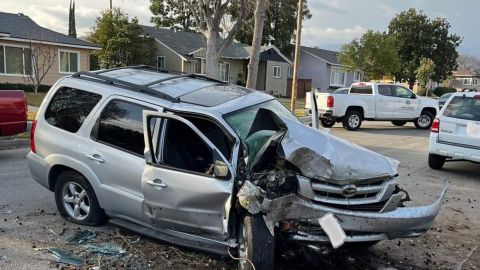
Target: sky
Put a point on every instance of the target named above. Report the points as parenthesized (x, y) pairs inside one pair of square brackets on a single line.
[(334, 22)]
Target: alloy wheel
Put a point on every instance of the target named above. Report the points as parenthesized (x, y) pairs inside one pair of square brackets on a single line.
[(75, 201)]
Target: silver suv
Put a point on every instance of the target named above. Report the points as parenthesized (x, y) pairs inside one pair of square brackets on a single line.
[(204, 164)]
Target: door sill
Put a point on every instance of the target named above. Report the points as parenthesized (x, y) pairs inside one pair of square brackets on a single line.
[(178, 238)]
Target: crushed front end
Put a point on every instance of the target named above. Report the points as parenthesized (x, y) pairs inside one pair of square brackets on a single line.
[(302, 174)]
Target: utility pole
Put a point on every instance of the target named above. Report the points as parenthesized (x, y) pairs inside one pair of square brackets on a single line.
[(111, 6), (296, 62)]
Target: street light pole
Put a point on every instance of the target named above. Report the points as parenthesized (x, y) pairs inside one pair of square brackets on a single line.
[(111, 6), (296, 62)]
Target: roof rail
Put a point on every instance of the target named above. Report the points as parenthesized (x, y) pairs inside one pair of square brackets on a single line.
[(187, 75), (92, 76)]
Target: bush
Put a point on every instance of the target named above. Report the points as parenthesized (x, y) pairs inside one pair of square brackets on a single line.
[(439, 91), (24, 87)]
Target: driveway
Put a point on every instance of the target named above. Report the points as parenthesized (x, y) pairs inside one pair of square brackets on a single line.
[(29, 223)]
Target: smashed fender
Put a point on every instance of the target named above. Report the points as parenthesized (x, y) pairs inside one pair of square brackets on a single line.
[(320, 155)]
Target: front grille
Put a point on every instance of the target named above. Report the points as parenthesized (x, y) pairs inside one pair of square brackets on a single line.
[(352, 194)]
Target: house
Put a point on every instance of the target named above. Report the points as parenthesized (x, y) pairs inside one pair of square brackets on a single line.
[(185, 52), (19, 34), (323, 68), (465, 78)]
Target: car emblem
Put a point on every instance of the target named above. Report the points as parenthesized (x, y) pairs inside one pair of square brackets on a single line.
[(349, 190)]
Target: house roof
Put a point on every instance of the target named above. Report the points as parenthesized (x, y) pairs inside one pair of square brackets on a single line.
[(20, 27), (186, 43), (463, 72), (326, 55)]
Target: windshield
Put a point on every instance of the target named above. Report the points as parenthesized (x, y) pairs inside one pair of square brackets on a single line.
[(241, 121), (467, 108)]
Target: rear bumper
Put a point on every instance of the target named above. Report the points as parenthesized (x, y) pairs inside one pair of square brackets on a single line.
[(13, 128), (323, 114), (359, 225), (454, 150), (38, 168)]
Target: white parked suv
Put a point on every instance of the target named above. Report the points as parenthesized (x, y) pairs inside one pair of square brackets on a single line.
[(456, 131), (374, 101)]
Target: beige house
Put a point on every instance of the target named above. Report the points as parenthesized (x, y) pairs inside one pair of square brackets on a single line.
[(19, 35), (465, 79), (185, 52)]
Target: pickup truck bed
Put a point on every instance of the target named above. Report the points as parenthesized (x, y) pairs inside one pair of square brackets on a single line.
[(13, 112)]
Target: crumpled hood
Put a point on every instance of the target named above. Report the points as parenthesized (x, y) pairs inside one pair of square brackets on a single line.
[(319, 155)]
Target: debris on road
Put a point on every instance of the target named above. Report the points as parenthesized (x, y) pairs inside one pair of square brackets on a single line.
[(65, 257), (82, 237)]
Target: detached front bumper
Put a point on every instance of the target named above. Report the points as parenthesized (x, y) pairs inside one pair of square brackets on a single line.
[(359, 226)]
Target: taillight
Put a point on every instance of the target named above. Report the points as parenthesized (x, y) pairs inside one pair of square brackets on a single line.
[(32, 136), (476, 97), (330, 101), (436, 125)]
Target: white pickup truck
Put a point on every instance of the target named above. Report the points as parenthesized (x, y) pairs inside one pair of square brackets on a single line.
[(374, 102)]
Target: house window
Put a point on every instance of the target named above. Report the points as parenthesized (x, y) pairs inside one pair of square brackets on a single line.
[(338, 77), (224, 72), (474, 81), (290, 71), (357, 76), (161, 62), (467, 81), (277, 72), (69, 62), (15, 60)]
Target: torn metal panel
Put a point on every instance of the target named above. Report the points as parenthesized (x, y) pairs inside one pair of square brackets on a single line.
[(250, 196), (320, 155)]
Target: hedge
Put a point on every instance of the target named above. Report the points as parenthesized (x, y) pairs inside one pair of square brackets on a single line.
[(439, 91)]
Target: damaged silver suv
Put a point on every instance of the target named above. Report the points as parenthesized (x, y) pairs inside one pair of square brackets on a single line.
[(212, 166)]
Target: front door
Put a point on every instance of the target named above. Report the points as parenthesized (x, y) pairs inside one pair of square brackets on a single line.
[(406, 103), (187, 182)]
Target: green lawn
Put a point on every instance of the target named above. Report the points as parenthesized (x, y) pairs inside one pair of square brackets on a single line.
[(35, 100)]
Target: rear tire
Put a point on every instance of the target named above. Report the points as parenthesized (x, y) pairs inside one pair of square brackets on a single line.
[(352, 120), (327, 123), (399, 123), (425, 120), (256, 244), (436, 162), (76, 200)]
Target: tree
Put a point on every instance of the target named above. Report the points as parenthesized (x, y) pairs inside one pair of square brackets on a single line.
[(72, 31), (417, 37), (256, 44), (469, 62), (279, 24), (123, 42), (374, 54), (425, 73), (42, 58), (173, 14)]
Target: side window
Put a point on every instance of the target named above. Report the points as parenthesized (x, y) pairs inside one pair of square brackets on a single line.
[(121, 125), (214, 133), (184, 149), (403, 92), (69, 107), (386, 90)]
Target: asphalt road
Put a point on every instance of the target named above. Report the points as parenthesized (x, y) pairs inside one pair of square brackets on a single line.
[(29, 222)]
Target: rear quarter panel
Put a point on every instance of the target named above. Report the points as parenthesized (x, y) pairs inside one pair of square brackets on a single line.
[(13, 112)]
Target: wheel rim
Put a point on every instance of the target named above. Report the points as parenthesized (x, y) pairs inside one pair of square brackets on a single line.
[(75, 201), (353, 120), (424, 121), (243, 247)]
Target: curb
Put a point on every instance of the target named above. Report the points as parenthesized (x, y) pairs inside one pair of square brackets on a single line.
[(15, 143)]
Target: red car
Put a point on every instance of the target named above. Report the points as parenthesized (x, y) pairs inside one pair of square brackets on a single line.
[(13, 112)]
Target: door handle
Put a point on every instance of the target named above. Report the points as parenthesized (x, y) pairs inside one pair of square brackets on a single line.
[(95, 157), (157, 183)]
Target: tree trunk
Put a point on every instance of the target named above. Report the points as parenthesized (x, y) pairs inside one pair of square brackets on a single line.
[(256, 44), (211, 55), (411, 84)]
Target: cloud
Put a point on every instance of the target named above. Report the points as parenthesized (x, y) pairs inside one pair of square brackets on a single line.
[(315, 36)]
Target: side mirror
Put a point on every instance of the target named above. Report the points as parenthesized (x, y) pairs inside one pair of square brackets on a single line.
[(414, 96), (220, 169)]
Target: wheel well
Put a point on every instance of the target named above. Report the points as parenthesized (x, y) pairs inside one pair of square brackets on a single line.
[(356, 108), (430, 110), (55, 171)]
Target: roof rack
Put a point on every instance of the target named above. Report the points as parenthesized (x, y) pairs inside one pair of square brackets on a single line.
[(92, 76)]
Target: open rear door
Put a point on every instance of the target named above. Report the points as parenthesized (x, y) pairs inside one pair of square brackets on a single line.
[(187, 183)]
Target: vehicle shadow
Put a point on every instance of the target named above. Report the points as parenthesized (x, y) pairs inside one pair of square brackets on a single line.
[(391, 131)]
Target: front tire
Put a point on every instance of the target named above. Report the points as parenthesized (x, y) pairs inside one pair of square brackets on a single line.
[(327, 123), (76, 201), (352, 120), (425, 120), (255, 244), (436, 162), (399, 123)]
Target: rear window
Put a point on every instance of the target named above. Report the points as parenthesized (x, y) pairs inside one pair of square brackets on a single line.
[(467, 108), (361, 89), (69, 107)]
